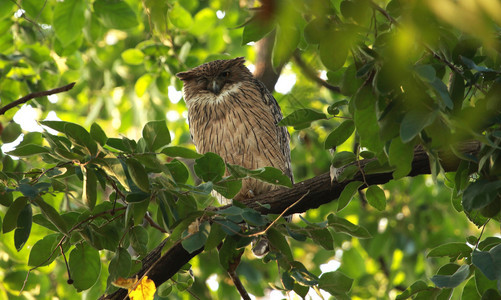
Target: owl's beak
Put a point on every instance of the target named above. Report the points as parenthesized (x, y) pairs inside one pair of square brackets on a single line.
[(215, 86)]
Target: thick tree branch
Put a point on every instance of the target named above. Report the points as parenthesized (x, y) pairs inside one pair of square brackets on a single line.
[(320, 191), (36, 95), (264, 70)]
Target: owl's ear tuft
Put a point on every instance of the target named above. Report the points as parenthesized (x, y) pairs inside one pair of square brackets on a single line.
[(185, 75)]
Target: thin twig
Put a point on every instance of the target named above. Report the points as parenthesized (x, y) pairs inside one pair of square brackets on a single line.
[(153, 224), (36, 95), (277, 218), (310, 73), (238, 284)]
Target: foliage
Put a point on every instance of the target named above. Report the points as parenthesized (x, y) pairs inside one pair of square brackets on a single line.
[(409, 73)]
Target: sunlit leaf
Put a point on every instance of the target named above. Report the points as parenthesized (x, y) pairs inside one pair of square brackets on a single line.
[(209, 167), (117, 15), (156, 134), (69, 20), (28, 150)]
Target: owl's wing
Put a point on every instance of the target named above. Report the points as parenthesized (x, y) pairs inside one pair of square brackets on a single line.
[(283, 135)]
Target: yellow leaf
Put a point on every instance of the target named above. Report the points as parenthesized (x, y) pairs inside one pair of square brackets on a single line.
[(145, 290), (125, 283)]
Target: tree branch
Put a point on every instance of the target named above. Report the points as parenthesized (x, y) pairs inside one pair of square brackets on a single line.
[(28, 97), (320, 191), (311, 74)]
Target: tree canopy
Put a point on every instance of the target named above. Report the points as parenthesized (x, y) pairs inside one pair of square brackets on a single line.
[(394, 110)]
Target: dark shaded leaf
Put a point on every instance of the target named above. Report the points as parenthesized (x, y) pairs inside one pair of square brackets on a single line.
[(138, 174), (453, 250), (348, 193), (197, 239), (23, 230), (451, 281), (278, 241), (28, 150), (302, 118), (12, 214), (209, 167), (376, 198), (340, 134), (85, 266)]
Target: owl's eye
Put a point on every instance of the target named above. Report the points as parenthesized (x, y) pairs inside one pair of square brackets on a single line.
[(225, 74)]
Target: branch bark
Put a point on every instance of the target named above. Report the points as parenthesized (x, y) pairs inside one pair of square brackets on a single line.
[(28, 97), (319, 191)]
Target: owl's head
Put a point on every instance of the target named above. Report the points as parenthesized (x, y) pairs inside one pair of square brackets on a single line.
[(215, 76)]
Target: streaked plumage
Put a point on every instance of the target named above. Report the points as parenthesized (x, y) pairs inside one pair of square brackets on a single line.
[(231, 113)]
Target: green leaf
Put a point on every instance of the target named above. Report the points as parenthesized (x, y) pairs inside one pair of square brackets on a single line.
[(228, 252), (364, 98), (180, 17), (196, 240), (69, 20), (413, 122), (348, 192), (323, 237), (97, 133), (139, 239), (11, 132), (85, 266), (113, 167), (89, 194), (416, 287), (425, 72), (368, 128), (400, 156), (441, 90), (138, 174), (228, 188), (334, 50), (287, 281), (480, 193), (28, 150), (340, 134), (255, 30), (335, 282), (342, 225), (215, 237), (376, 198), (177, 151), (142, 84), (286, 40), (43, 252), (489, 262), (51, 214), (156, 134), (253, 217), (117, 15), (453, 250), (278, 241), (209, 167), (23, 230), (343, 158), (120, 264), (451, 281), (133, 56), (302, 118), (178, 171), (272, 175), (12, 214), (78, 135)]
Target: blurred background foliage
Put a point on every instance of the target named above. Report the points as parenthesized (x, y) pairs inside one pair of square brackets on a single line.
[(423, 72)]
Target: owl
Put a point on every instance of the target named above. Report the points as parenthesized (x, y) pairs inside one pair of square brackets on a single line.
[(232, 114)]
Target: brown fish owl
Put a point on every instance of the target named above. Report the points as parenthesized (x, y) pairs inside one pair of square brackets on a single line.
[(231, 113)]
